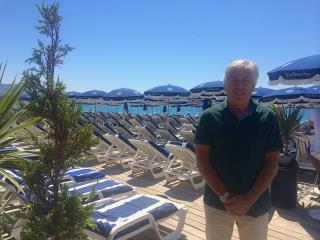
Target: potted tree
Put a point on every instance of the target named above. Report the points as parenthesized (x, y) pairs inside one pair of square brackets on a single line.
[(289, 122), (284, 185)]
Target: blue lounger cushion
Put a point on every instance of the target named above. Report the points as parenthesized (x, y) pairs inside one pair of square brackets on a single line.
[(159, 148), (106, 218), (15, 174), (85, 174), (183, 144), (149, 130), (8, 149), (107, 187), (124, 139)]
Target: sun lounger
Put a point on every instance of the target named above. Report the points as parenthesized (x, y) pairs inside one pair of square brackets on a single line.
[(103, 188), (83, 175), (184, 165), (188, 127), (126, 218), (167, 134), (188, 136), (122, 130), (185, 120), (150, 157), (151, 125), (120, 148), (145, 133), (135, 122), (168, 125), (303, 152), (100, 150)]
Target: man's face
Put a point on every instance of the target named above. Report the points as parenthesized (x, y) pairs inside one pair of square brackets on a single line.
[(239, 86)]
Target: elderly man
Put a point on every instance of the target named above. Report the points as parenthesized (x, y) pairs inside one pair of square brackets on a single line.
[(238, 144)]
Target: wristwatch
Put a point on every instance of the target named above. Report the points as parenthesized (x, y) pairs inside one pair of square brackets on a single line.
[(224, 197)]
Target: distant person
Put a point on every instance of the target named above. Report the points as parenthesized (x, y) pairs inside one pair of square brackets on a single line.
[(238, 146)]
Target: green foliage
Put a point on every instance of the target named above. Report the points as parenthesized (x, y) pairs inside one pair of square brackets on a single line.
[(52, 214), (10, 115), (289, 121), (68, 217)]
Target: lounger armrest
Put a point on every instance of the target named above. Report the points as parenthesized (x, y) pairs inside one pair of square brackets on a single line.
[(100, 202), (68, 184)]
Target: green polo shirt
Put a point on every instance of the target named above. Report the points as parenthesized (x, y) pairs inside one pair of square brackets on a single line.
[(238, 149)]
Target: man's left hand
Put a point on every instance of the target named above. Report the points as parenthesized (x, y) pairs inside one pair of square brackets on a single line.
[(238, 204)]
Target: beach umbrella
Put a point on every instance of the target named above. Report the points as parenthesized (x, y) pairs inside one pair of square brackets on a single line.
[(301, 71), (73, 94), (92, 97), (292, 96), (92, 94), (260, 92), (166, 93), (4, 88), (208, 90), (123, 95), (315, 88)]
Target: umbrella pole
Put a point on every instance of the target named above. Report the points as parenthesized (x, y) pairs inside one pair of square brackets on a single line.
[(95, 110)]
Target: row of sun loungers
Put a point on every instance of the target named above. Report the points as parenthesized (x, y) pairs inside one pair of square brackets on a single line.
[(142, 149), (161, 129), (175, 160), (156, 128), (119, 212)]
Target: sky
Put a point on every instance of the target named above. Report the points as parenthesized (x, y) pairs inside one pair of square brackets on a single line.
[(141, 44)]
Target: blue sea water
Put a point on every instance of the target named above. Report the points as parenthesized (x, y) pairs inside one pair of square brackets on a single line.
[(184, 110)]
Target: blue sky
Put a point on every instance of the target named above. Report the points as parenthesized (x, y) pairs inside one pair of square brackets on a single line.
[(141, 44)]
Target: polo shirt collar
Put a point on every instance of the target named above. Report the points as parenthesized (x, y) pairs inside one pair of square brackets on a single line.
[(250, 110)]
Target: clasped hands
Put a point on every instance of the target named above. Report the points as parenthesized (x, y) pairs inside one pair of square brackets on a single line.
[(237, 204)]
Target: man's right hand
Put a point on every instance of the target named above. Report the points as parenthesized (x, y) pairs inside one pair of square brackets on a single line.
[(237, 204)]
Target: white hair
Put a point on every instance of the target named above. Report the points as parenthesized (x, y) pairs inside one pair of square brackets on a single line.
[(242, 64)]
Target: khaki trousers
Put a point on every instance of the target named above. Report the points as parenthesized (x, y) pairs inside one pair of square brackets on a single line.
[(219, 225)]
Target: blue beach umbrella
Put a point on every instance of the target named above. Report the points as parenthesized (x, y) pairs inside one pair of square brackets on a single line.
[(260, 92), (92, 94), (315, 88), (208, 90), (73, 94), (166, 92), (301, 71), (293, 95), (123, 95), (4, 88)]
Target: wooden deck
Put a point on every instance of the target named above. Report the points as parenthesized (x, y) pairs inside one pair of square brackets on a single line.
[(285, 224)]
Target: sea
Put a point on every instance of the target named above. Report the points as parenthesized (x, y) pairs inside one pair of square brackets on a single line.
[(171, 110)]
